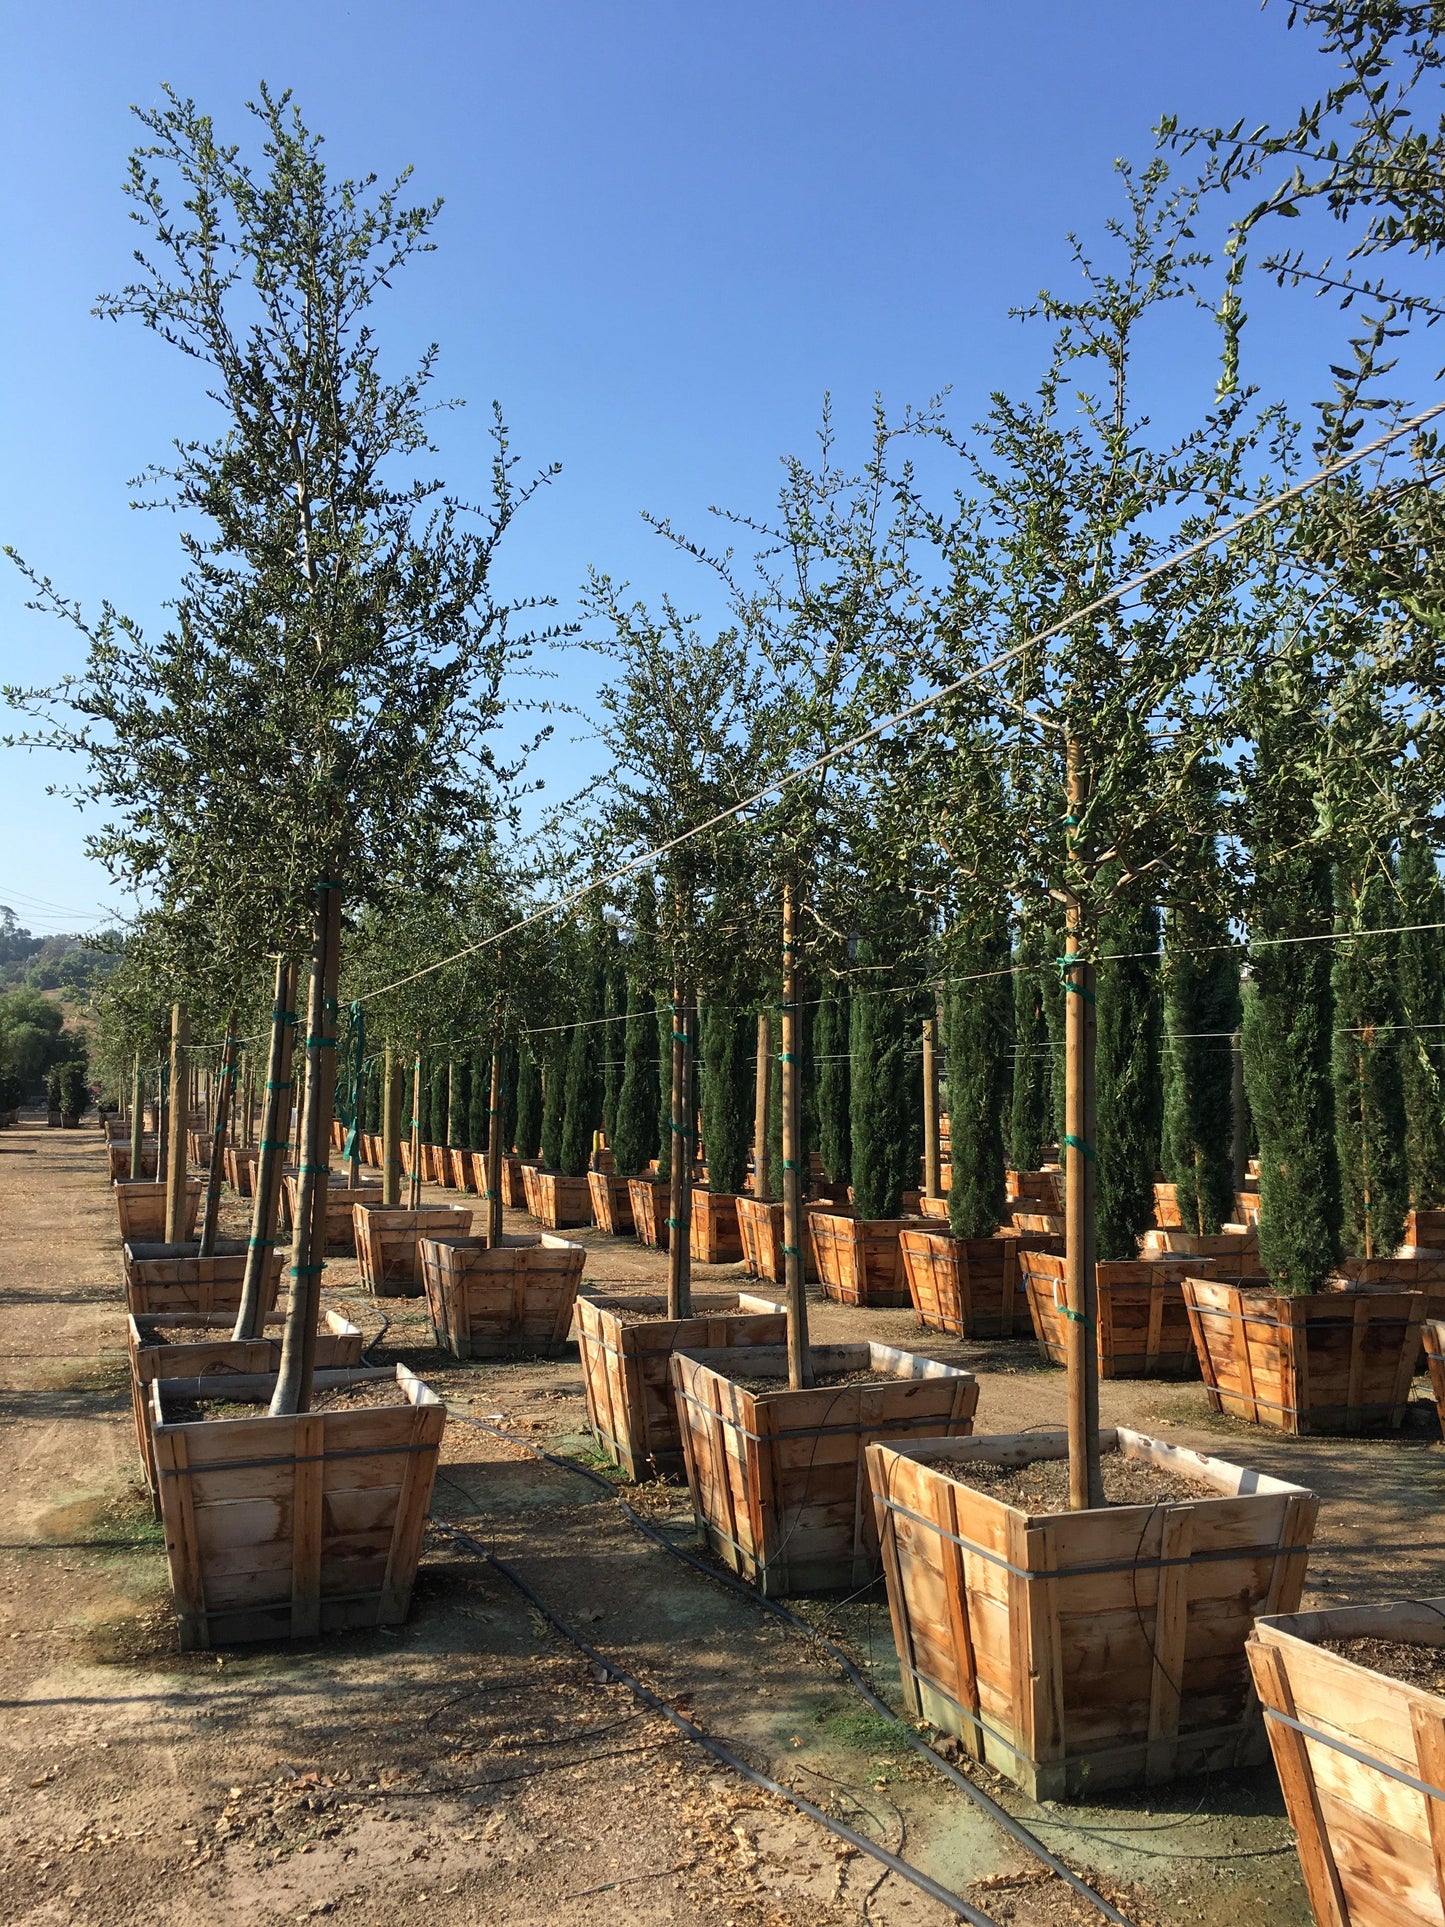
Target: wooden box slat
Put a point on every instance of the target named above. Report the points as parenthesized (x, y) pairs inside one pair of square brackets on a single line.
[(1144, 1329), (649, 1212), (498, 1301), (241, 1170), (118, 1157), (971, 1287), (858, 1260), (556, 1200), (170, 1279), (760, 1231), (1043, 1189), (514, 1190), (778, 1479), (387, 1243), (1167, 1215), (1082, 1650), (1355, 1751), (611, 1202), (714, 1235), (1425, 1229), (630, 1403), (1328, 1362), (263, 1532)]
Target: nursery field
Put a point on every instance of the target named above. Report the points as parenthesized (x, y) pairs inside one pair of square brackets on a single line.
[(473, 1764)]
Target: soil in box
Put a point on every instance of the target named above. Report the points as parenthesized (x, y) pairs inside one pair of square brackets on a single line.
[(1332, 1361), (778, 1478), (288, 1527), (491, 1302), (163, 1278), (1081, 1650), (626, 1344), (1354, 1704)]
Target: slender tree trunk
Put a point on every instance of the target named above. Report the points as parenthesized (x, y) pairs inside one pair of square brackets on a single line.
[(413, 1192), (137, 1122), (800, 1356), (302, 1078), (679, 1209), (451, 1098), (762, 1123), (1085, 1480), (494, 1136), (275, 1117), (932, 1179), (1239, 1108), (176, 1158), (298, 1344), (391, 1132), (221, 1117)]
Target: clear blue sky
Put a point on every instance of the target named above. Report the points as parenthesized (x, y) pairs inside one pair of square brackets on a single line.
[(669, 228)]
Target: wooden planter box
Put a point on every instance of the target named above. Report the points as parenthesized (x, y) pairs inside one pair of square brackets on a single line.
[(1246, 1208), (1166, 1208), (1235, 1253), (341, 1200), (241, 1171), (141, 1207), (971, 1287), (714, 1237), (514, 1189), (436, 1165), (778, 1479), (649, 1212), (170, 1279), (492, 1303), (1356, 1751), (858, 1260), (1334, 1361), (1143, 1320), (1039, 1224), (1042, 1188), (1425, 1228), (117, 1153), (611, 1202), (760, 1229), (289, 1527), (216, 1359), (554, 1200), (1074, 1651), (630, 1404), (388, 1244), (1433, 1332), (935, 1208), (461, 1165)]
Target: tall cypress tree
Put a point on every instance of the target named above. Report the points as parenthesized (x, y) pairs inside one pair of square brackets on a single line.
[(879, 1033), (1201, 1013), (1369, 1092), (507, 1095), (636, 1137), (1052, 984), (528, 1124), (437, 1101), (805, 1043), (1130, 1098), (479, 1097), (614, 1046), (977, 1037), (728, 1039), (834, 1078), (461, 1098), (662, 1004), (554, 1096), (1422, 1008), (1031, 1101), (582, 1083), (424, 1115)]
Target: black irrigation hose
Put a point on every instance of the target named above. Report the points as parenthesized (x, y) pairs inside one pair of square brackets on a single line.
[(915, 1876), (1015, 1829)]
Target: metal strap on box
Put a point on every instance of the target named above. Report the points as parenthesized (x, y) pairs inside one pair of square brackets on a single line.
[(1361, 1759), (878, 1428)]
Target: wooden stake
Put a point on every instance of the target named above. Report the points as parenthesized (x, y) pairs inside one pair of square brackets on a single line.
[(679, 1208), (413, 1195), (495, 1146), (221, 1118), (932, 1179), (390, 1131), (1085, 1481), (800, 1356), (308, 1248), (1239, 1137), (176, 1154), (137, 1121), (762, 1110), (275, 1118)]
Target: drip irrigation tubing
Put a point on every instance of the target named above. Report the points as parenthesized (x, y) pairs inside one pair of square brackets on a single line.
[(955, 1903), (1015, 1829)]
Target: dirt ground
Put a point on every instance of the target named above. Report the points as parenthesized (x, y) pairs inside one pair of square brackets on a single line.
[(473, 1766)]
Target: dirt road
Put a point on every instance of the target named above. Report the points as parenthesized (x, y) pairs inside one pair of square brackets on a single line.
[(472, 1767)]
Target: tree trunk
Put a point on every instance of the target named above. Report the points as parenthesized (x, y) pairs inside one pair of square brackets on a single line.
[(298, 1344), (762, 1093), (275, 1117), (220, 1119), (679, 1210), (1085, 1480), (176, 1151), (391, 1132), (494, 1140), (137, 1122), (413, 1190), (932, 1179), (800, 1357)]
